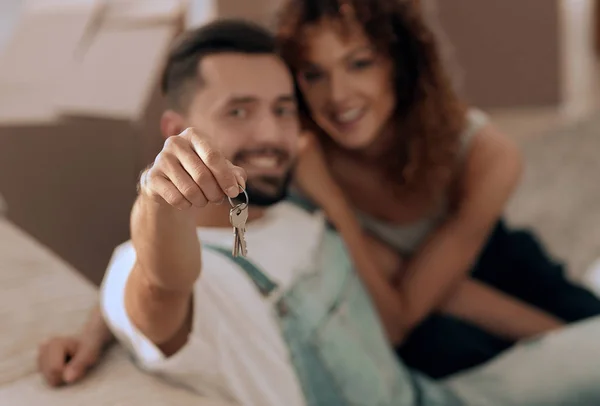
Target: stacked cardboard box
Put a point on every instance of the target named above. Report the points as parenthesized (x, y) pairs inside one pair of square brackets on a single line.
[(79, 112)]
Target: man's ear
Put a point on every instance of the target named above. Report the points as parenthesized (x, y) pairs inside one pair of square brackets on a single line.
[(172, 123)]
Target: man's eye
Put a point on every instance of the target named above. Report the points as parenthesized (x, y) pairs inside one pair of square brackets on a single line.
[(238, 113), (286, 111)]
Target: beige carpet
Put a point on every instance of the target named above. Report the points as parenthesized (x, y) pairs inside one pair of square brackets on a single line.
[(560, 192)]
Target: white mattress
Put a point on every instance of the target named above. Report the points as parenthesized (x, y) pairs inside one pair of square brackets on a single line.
[(41, 296)]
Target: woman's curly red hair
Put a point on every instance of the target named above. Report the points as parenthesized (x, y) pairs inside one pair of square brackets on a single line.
[(429, 117)]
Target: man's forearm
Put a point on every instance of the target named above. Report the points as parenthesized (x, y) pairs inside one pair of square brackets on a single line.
[(159, 288), (96, 329), (166, 244), (497, 312)]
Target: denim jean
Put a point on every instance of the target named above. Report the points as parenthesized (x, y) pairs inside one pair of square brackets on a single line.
[(335, 339), (558, 369), (341, 356)]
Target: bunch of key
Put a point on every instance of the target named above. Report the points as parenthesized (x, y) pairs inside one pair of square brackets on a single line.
[(238, 216)]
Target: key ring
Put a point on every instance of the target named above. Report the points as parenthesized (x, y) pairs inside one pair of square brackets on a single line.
[(240, 206)]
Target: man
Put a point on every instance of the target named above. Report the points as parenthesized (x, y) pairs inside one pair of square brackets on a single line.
[(291, 323)]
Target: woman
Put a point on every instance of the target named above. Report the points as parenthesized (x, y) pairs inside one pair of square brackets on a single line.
[(428, 178)]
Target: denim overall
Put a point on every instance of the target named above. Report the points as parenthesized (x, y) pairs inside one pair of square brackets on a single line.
[(335, 340)]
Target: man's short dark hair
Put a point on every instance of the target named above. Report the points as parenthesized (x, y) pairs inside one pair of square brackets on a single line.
[(181, 78)]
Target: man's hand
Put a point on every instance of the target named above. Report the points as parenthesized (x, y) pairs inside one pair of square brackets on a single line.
[(191, 171), (65, 360)]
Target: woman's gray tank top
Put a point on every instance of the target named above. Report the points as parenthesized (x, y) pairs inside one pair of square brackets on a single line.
[(407, 238)]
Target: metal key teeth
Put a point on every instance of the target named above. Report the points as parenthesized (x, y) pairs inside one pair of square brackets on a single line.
[(235, 249), (238, 216), (242, 242)]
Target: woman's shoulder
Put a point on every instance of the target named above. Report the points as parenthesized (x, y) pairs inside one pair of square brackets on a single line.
[(475, 120)]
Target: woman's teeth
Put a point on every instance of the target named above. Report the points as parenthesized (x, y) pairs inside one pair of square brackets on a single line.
[(348, 116)]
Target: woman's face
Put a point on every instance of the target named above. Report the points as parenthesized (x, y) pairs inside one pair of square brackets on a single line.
[(347, 85)]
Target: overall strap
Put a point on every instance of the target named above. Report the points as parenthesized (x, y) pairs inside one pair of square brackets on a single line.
[(262, 282), (300, 201)]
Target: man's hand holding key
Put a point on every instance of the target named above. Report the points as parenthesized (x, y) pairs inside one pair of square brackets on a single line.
[(191, 172)]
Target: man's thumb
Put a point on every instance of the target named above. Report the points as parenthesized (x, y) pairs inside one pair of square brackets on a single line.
[(77, 367)]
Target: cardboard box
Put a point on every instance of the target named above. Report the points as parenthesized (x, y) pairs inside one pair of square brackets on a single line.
[(79, 114)]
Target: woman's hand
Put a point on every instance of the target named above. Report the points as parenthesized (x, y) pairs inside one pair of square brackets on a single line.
[(313, 177)]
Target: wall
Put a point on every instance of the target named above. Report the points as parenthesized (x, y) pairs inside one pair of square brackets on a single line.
[(513, 60), (509, 50), (261, 11), (597, 27), (504, 53)]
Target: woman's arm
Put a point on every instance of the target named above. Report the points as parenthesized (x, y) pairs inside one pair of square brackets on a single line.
[(484, 306), (314, 179), (489, 176), (473, 301), (470, 300), (497, 312), (389, 304), (486, 181)]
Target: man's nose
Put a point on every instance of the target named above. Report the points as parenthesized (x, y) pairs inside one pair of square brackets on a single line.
[(267, 130)]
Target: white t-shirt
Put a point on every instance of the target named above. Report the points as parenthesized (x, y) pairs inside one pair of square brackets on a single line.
[(235, 351)]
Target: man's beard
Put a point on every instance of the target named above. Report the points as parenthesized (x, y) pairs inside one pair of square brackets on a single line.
[(264, 191), (257, 196)]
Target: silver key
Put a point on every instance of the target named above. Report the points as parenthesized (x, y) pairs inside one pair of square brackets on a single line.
[(238, 216), (241, 219), (236, 243), (242, 236)]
